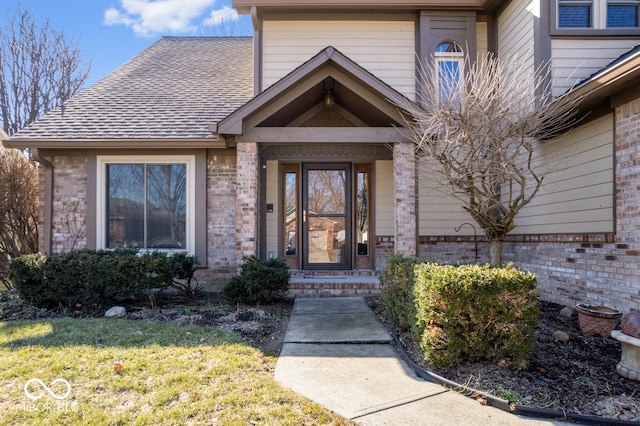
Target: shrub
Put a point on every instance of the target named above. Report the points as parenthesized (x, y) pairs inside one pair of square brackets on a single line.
[(475, 312), (259, 281), (26, 273), (89, 277), (183, 267), (396, 290)]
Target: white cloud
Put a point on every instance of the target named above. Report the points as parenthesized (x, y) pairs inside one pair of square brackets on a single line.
[(221, 16), (149, 17)]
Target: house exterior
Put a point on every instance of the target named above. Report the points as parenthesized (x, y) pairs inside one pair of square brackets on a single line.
[(286, 144)]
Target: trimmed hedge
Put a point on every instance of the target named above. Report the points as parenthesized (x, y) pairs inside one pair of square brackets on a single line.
[(396, 290), (259, 281), (91, 277), (475, 312)]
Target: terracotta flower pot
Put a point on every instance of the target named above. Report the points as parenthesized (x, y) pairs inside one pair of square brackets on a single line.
[(597, 320)]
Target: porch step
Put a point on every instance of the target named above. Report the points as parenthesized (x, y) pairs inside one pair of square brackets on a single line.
[(305, 285)]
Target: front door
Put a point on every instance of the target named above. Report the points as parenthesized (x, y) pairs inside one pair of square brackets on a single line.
[(326, 216)]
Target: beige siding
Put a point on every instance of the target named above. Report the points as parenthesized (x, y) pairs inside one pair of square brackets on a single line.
[(272, 198), (516, 32), (384, 198), (482, 38), (384, 48), (577, 194), (575, 60), (440, 213)]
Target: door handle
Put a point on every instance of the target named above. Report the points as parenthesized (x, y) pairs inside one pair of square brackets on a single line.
[(304, 216)]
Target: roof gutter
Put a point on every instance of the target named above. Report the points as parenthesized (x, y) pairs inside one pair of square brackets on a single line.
[(79, 143), (605, 82), (47, 220)]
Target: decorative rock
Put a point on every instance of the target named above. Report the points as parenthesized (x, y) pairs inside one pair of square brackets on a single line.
[(630, 323), (567, 312), (561, 336), (116, 312)]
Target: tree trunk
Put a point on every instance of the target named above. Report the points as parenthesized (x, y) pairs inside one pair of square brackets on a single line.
[(495, 252)]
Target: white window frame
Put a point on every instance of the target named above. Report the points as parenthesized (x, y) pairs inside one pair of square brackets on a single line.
[(599, 11), (441, 57), (101, 194)]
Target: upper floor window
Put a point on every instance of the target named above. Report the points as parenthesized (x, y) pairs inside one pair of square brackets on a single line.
[(598, 14), (449, 60)]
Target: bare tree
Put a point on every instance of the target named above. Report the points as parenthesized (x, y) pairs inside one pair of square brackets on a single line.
[(480, 128), (40, 68), (18, 207)]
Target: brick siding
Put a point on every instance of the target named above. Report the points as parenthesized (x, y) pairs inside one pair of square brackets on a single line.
[(221, 221), (406, 202), (69, 218), (246, 200)]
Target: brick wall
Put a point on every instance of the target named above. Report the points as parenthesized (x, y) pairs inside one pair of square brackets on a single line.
[(246, 200), (221, 221), (406, 202), (69, 219)]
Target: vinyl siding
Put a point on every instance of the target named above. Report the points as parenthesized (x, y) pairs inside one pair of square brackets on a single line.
[(272, 222), (384, 198), (516, 32), (575, 60), (384, 48), (440, 213), (578, 187), (482, 38)]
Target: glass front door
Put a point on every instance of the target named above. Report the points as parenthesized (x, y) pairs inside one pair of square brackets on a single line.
[(326, 216)]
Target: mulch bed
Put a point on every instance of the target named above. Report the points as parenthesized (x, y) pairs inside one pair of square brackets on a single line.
[(577, 376)]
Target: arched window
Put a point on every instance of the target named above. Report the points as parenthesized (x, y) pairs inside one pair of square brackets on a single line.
[(449, 61)]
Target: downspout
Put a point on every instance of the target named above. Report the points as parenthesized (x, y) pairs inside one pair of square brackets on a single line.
[(48, 199)]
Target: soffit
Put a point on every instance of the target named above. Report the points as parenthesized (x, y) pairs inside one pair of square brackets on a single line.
[(244, 6)]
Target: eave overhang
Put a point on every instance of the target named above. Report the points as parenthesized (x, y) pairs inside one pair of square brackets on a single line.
[(244, 6), (115, 143), (622, 79)]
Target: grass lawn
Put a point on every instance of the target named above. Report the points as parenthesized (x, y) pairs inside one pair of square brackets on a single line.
[(170, 374)]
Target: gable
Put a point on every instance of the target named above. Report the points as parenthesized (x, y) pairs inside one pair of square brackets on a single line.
[(328, 91)]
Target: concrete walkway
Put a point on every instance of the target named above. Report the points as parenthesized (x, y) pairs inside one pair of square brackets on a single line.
[(337, 353)]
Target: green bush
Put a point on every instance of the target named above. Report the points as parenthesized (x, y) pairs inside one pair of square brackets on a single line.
[(475, 312), (396, 290), (26, 273), (183, 267), (259, 281), (89, 277)]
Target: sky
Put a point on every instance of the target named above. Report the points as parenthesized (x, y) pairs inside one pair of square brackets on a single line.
[(110, 32)]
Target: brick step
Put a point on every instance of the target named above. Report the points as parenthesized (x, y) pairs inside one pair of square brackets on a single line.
[(333, 286), (336, 273)]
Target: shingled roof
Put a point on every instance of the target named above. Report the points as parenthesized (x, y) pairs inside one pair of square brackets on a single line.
[(172, 90)]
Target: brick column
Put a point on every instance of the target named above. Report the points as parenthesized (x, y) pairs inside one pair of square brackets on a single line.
[(406, 200), (627, 172), (246, 200)]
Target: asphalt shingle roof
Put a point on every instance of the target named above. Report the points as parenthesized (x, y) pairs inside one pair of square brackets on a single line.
[(634, 50), (172, 90)]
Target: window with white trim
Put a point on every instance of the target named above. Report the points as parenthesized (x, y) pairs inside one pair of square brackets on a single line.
[(598, 14), (146, 202), (449, 59)]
